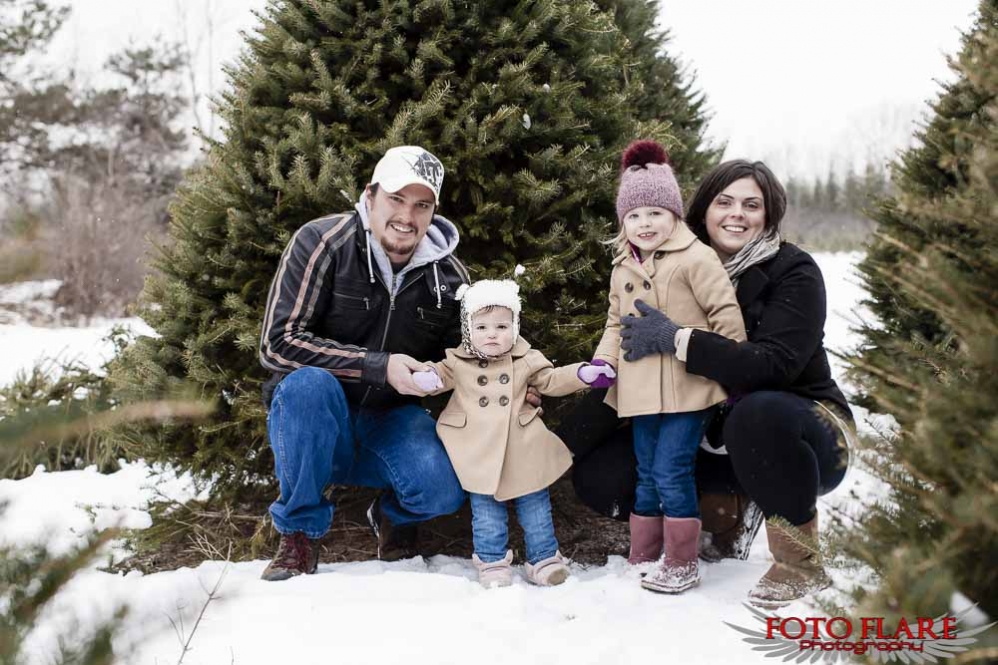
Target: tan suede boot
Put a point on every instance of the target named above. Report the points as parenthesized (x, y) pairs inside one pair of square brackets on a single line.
[(680, 569), (796, 570), (730, 524), (646, 539)]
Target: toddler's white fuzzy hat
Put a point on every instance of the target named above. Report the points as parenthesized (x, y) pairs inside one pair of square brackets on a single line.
[(485, 293)]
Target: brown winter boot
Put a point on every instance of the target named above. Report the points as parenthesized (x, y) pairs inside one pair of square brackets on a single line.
[(730, 524), (296, 555), (796, 571), (394, 542), (680, 569), (646, 539)]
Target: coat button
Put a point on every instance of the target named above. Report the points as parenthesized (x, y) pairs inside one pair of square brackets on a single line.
[(503, 401), (504, 378), (482, 380), (483, 402), (628, 287), (647, 285), (659, 255), (483, 363)]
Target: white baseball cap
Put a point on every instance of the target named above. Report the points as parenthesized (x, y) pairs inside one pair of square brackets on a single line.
[(408, 165)]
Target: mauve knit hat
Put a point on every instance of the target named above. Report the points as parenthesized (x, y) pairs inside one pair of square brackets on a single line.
[(646, 179)]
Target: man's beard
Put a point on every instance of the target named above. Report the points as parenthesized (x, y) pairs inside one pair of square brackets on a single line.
[(402, 247), (397, 248)]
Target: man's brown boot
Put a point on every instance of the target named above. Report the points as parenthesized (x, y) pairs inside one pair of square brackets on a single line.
[(730, 524), (394, 542), (296, 555), (796, 571)]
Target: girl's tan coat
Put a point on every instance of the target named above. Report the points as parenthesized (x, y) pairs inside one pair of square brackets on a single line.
[(496, 441), (684, 279)]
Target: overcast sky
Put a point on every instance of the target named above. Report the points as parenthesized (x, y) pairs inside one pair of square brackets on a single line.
[(795, 82)]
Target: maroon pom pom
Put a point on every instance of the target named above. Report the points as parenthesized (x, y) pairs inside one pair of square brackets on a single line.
[(641, 153)]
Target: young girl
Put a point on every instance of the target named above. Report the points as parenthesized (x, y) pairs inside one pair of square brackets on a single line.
[(498, 445), (661, 265)]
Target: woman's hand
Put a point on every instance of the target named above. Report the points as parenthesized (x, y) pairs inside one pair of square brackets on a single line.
[(652, 332)]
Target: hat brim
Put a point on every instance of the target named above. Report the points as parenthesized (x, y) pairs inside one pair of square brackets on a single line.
[(395, 184)]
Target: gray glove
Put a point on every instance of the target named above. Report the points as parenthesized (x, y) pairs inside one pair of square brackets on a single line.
[(653, 332)]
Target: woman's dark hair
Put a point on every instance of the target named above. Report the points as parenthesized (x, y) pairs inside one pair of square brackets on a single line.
[(774, 197)]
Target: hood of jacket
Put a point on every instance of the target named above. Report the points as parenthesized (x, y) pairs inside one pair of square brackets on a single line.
[(440, 241)]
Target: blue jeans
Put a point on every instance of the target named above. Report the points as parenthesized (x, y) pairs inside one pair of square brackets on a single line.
[(318, 440), (665, 445), (490, 526)]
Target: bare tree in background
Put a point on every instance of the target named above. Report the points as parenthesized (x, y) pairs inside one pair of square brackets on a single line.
[(190, 51), (89, 171)]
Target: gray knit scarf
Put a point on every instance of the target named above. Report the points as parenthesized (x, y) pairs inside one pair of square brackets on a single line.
[(755, 252)]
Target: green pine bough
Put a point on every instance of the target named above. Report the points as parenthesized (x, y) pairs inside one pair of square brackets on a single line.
[(932, 360)]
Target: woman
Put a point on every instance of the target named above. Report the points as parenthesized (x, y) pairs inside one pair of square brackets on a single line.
[(786, 425)]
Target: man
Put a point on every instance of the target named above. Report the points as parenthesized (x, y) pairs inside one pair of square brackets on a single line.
[(356, 299)]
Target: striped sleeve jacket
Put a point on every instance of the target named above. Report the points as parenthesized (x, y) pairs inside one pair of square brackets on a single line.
[(326, 309)]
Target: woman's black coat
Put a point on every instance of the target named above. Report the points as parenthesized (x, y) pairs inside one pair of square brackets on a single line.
[(783, 302)]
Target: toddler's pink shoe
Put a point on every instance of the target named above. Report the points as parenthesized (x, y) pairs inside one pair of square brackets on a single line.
[(495, 573), (551, 571)]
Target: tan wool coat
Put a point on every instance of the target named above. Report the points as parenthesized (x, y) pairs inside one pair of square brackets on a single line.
[(684, 279), (495, 439)]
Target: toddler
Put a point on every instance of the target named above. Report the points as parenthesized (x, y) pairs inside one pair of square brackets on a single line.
[(496, 441), (661, 264)]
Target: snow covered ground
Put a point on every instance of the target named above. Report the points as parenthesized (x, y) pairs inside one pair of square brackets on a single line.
[(25, 345), (419, 612)]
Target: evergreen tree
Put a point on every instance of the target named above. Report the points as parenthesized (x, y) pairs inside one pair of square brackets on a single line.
[(30, 580), (933, 360), (818, 195), (664, 93), (528, 103), (26, 27), (875, 184), (852, 192), (833, 191)]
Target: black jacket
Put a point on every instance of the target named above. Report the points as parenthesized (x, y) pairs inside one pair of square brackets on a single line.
[(783, 303), (330, 307)]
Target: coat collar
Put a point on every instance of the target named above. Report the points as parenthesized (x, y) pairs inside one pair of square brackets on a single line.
[(750, 285), (678, 241), (519, 350)]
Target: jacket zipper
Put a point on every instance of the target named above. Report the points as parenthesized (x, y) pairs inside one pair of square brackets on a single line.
[(347, 296), (384, 336), (391, 308)]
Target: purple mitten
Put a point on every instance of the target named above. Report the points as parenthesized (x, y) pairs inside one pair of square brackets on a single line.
[(427, 381), (598, 374)]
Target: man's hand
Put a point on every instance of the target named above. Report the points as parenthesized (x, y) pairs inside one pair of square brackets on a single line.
[(400, 369), (652, 332), (427, 381), (533, 398)]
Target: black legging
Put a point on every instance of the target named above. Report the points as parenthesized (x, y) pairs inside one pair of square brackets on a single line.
[(781, 452)]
